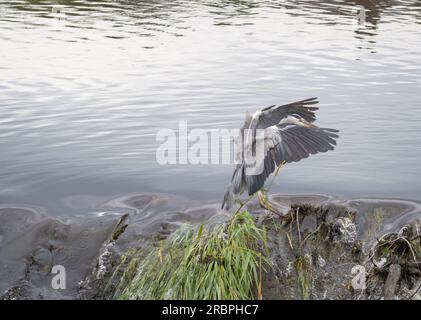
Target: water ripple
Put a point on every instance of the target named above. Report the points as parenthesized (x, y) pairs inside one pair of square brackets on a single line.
[(84, 94)]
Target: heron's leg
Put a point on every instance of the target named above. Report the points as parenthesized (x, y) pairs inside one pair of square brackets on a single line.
[(264, 203)]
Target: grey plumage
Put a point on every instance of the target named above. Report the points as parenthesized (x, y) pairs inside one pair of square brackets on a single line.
[(289, 136)]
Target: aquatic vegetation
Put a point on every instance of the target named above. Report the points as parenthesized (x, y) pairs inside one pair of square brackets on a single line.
[(394, 264), (403, 247), (304, 271), (209, 262)]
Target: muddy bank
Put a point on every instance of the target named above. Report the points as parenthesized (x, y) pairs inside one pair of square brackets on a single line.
[(32, 241), (319, 252)]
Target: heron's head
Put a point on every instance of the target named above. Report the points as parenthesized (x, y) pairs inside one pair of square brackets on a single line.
[(297, 121)]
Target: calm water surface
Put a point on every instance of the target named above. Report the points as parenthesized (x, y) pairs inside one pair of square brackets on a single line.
[(83, 98)]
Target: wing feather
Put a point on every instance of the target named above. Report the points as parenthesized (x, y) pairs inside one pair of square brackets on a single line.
[(290, 144), (274, 114)]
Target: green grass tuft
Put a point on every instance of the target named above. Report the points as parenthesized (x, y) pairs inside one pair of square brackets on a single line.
[(223, 262)]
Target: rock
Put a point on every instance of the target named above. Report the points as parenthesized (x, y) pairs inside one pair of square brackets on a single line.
[(344, 230), (392, 281)]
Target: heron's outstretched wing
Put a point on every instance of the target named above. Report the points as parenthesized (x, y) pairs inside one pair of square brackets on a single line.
[(274, 114), (289, 143)]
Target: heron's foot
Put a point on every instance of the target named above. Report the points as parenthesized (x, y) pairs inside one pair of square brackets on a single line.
[(265, 204)]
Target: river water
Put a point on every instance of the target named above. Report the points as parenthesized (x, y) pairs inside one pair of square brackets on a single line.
[(83, 94)]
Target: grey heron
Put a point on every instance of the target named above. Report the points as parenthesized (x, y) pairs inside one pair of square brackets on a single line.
[(289, 135)]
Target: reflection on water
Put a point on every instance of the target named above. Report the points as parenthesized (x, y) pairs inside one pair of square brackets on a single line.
[(81, 101)]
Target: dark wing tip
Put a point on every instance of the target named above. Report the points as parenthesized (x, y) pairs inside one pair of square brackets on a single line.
[(305, 102), (308, 101), (270, 107)]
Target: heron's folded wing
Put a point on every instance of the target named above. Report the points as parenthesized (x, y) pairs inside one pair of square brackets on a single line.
[(274, 114), (289, 143)]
